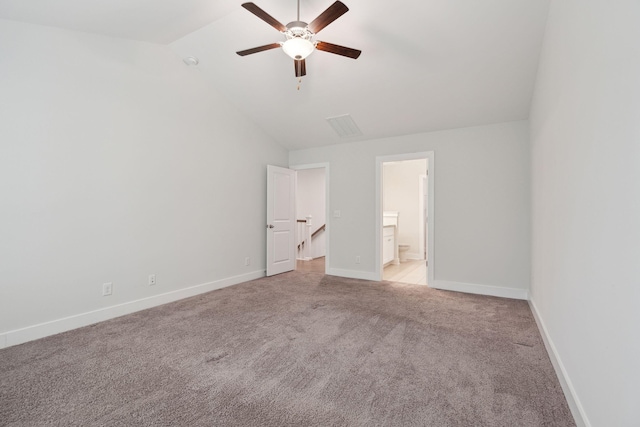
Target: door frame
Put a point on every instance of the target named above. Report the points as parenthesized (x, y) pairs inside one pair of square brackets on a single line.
[(327, 230), (424, 238), (380, 160)]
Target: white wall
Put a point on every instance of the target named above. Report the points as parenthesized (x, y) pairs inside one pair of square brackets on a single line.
[(117, 161), (401, 193), (482, 203), (310, 200), (585, 129)]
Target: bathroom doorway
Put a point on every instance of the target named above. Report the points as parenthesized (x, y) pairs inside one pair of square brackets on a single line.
[(404, 223)]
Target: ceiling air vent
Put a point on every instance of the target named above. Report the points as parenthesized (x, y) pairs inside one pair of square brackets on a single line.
[(344, 126)]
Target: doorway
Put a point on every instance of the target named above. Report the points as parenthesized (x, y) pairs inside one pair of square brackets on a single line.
[(312, 232), (404, 198)]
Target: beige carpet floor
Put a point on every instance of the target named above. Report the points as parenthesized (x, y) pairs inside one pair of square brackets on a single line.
[(297, 349)]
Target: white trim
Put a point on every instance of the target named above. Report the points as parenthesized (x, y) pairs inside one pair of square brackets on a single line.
[(352, 274), (430, 157), (327, 216), (309, 166), (472, 288), (421, 225), (577, 410), (30, 333)]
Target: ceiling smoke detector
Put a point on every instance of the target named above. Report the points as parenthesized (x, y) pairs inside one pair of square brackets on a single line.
[(191, 61)]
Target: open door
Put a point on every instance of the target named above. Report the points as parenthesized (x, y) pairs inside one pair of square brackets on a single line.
[(281, 220)]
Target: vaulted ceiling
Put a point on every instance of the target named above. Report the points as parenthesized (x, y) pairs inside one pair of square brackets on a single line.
[(426, 64)]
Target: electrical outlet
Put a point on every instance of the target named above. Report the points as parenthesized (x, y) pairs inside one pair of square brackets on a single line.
[(247, 261), (107, 289), (358, 259), (152, 279), (336, 214)]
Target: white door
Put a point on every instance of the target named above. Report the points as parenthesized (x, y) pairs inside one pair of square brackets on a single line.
[(281, 220)]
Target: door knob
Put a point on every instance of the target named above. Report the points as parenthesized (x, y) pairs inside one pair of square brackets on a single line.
[(270, 226)]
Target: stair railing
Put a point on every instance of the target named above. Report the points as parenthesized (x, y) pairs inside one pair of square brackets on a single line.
[(304, 237)]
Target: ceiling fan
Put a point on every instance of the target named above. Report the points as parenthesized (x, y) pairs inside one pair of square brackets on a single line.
[(300, 43)]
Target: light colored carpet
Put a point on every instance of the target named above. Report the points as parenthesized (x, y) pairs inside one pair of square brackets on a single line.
[(297, 349)]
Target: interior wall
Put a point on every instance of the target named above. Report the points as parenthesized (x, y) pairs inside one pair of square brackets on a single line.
[(401, 193), (481, 210), (310, 200), (585, 138), (118, 161)]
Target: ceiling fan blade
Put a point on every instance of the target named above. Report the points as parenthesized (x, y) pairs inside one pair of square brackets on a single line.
[(332, 13), (258, 49), (251, 7), (301, 67), (339, 50)]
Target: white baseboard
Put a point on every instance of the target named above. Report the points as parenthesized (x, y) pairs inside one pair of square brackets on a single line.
[(30, 333), (472, 288), (352, 274), (575, 406)]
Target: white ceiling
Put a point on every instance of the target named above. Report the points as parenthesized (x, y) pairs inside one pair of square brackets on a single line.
[(425, 65)]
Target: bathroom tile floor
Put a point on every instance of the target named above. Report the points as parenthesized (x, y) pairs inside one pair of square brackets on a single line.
[(414, 272)]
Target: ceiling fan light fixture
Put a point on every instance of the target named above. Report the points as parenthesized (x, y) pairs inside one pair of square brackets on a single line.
[(300, 36), (298, 48)]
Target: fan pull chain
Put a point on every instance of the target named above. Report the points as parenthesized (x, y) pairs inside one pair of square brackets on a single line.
[(299, 81)]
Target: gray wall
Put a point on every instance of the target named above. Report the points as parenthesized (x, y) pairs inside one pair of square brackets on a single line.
[(482, 202), (585, 128), (118, 161)]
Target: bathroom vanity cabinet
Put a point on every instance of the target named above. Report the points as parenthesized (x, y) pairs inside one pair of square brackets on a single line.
[(388, 244), (390, 237)]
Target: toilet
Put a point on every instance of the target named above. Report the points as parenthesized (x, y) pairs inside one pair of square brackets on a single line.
[(402, 252)]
